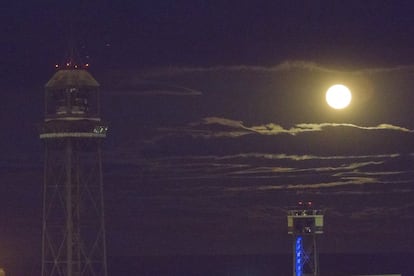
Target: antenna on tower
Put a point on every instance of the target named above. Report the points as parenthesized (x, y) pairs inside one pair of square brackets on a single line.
[(72, 59)]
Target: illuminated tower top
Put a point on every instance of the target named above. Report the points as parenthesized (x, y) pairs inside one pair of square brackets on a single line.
[(72, 94), (72, 106), (305, 220)]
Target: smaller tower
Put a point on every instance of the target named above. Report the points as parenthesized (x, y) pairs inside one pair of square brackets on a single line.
[(305, 223)]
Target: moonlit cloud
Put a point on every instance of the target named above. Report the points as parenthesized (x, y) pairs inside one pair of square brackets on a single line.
[(270, 172), (222, 121), (345, 182), (320, 127), (212, 167), (271, 156), (304, 157), (167, 90), (288, 65), (273, 129), (377, 173), (284, 66), (237, 128)]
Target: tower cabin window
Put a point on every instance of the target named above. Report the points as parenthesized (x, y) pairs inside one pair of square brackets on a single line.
[(60, 101), (78, 101), (71, 101)]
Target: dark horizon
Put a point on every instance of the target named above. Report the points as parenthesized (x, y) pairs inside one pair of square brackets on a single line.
[(233, 265)]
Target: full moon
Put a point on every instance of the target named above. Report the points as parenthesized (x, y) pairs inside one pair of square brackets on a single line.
[(338, 96)]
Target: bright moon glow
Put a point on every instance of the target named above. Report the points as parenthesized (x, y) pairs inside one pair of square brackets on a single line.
[(338, 96)]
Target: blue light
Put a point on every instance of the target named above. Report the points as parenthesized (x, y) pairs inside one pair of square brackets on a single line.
[(298, 259)]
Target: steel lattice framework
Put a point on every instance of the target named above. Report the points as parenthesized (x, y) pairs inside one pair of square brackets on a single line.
[(305, 223), (73, 234)]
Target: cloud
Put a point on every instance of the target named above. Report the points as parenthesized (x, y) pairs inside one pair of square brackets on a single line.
[(235, 128), (273, 129), (278, 171), (154, 90), (288, 65), (312, 66), (333, 184), (319, 127), (244, 157), (304, 157), (377, 173), (223, 121), (339, 170), (346, 181)]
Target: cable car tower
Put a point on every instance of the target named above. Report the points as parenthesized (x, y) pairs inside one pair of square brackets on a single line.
[(73, 232), (305, 223)]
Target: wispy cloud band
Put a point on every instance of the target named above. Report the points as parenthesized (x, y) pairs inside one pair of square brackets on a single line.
[(234, 128)]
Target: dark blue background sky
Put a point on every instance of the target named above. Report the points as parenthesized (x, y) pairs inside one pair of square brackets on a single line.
[(218, 120)]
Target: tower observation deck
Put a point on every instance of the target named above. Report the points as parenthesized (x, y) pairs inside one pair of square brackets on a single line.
[(73, 232)]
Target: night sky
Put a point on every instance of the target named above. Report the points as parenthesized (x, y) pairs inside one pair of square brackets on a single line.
[(218, 121)]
